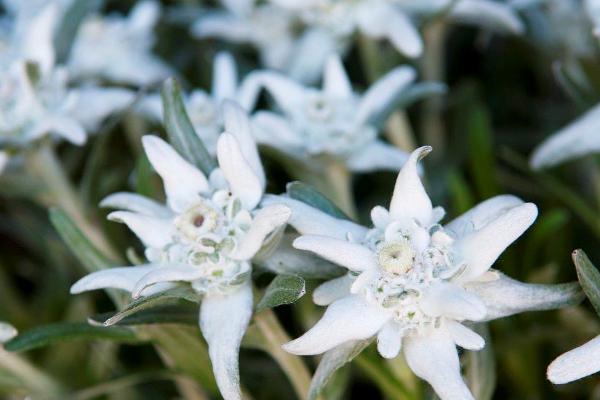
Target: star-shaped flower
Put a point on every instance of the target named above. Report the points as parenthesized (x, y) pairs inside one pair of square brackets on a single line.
[(206, 236), (414, 284), (332, 122)]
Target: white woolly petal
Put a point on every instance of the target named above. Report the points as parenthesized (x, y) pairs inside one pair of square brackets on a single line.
[(152, 231), (434, 359), (237, 123), (353, 256), (166, 274), (144, 15), (242, 179), (488, 14), (183, 182), (286, 92), (364, 279), (389, 340), (576, 364), (335, 80), (403, 34), (410, 200), (223, 321), (452, 301), (265, 221), (137, 204), (7, 332), (311, 221), (37, 41), (578, 138), (380, 217), (275, 131), (123, 278), (480, 249), (330, 291), (482, 214), (383, 92), (224, 82), (377, 156), (309, 53), (350, 318), (66, 127), (463, 336), (94, 104)]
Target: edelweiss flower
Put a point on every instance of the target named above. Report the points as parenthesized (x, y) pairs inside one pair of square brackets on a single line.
[(118, 48), (576, 364), (414, 283), (272, 31), (206, 235), (7, 332), (204, 108), (334, 121), (577, 139)]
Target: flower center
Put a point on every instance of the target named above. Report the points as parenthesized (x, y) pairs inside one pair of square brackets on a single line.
[(397, 257), (198, 220), (319, 109)]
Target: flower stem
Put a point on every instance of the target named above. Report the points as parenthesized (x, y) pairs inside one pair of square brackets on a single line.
[(35, 381), (292, 365)]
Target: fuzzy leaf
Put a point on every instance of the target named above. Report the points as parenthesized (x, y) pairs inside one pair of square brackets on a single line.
[(60, 332), (180, 129), (589, 278), (174, 312), (284, 289), (311, 196)]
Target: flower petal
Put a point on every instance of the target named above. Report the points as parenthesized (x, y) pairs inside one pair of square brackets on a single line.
[(389, 340), (350, 318), (265, 221), (463, 336), (576, 364), (403, 34), (66, 127), (434, 358), (223, 321), (335, 81), (123, 278), (137, 204), (37, 40), (330, 291), (276, 131), (224, 82), (410, 200), (482, 214), (166, 274), (242, 179), (505, 296), (152, 231), (488, 14), (286, 92), (94, 104), (481, 248), (353, 256), (183, 182), (377, 156), (311, 221), (449, 300)]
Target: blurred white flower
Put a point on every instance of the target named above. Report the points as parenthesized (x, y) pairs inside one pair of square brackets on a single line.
[(204, 108), (577, 139), (576, 364), (333, 121), (413, 283), (272, 30), (7, 332), (119, 49), (206, 235)]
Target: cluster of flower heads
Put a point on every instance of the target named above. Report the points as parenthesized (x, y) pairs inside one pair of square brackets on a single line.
[(410, 283)]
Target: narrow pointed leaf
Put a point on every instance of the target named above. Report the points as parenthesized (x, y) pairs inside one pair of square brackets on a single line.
[(174, 312), (307, 194), (589, 278), (284, 289), (180, 129)]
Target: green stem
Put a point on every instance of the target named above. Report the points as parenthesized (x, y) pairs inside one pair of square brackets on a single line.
[(34, 380), (292, 365), (383, 378)]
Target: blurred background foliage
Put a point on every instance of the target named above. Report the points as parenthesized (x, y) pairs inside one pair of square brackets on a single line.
[(504, 96)]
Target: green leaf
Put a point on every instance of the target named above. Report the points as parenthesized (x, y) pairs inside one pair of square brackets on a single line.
[(311, 196), (284, 289), (589, 278), (60, 332), (481, 367), (333, 360), (481, 150), (180, 129), (180, 312), (168, 297)]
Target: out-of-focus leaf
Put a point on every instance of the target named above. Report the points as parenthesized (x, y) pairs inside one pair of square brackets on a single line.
[(284, 289), (481, 150), (542, 231), (311, 196), (146, 180), (60, 332), (460, 193), (145, 303), (481, 367), (180, 129), (67, 29), (574, 83), (589, 278), (333, 360), (369, 361), (180, 312)]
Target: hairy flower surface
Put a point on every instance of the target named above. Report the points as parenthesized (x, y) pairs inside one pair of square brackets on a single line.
[(334, 121), (206, 235), (576, 364), (118, 48), (414, 284)]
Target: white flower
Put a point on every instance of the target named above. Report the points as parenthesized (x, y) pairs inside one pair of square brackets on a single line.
[(414, 283), (577, 139), (272, 31), (333, 121), (206, 235), (204, 108), (7, 332), (576, 364), (119, 48)]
